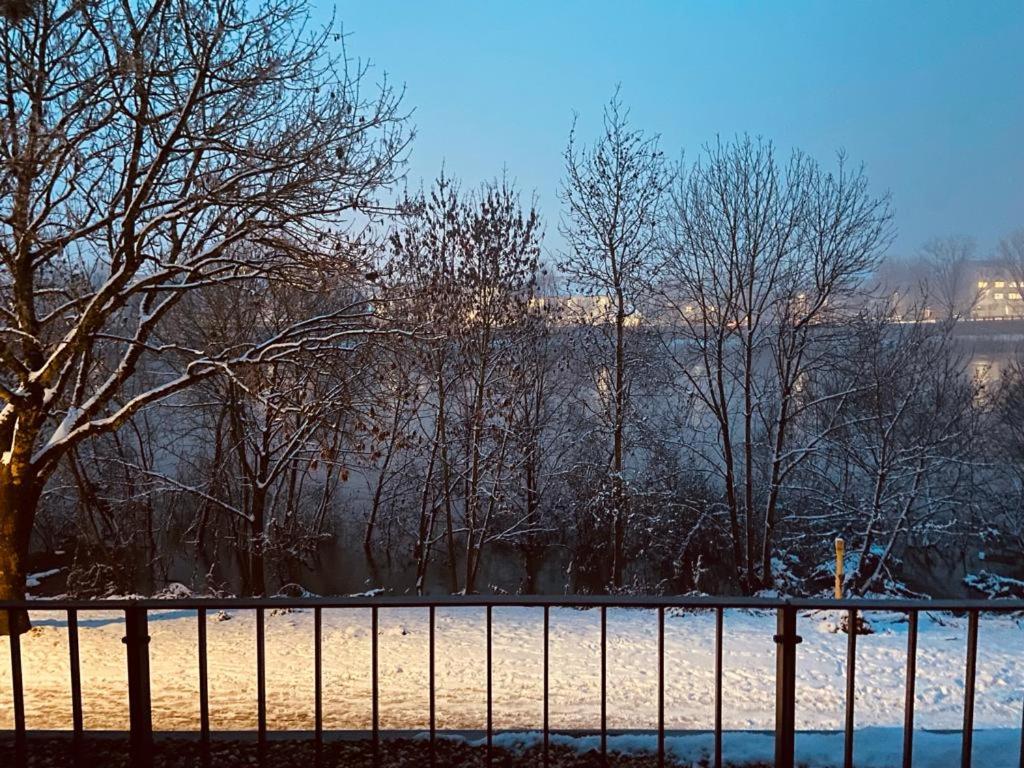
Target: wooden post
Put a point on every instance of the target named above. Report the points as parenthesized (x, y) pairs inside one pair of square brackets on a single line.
[(839, 569)]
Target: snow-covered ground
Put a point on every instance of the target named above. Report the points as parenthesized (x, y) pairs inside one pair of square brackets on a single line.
[(749, 672), (875, 747)]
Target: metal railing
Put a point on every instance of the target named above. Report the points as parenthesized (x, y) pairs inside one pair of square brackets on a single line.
[(136, 641)]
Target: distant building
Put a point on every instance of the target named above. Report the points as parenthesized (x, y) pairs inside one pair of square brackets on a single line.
[(972, 290), (583, 310), (999, 294)]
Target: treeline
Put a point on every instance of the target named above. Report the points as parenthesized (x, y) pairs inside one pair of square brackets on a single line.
[(222, 335), (700, 394)]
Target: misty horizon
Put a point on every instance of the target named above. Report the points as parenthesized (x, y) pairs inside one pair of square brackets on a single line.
[(925, 95)]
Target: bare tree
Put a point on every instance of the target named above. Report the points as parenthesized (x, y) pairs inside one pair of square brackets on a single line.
[(540, 397), (1007, 446), (760, 264), (1011, 254), (1006, 449), (472, 261), (425, 254), (280, 422), (899, 467), (147, 150), (389, 441), (948, 263), (614, 195), (500, 244)]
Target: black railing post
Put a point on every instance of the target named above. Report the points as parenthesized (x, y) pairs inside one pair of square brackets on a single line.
[(851, 689), (318, 683), (718, 686), (75, 668), (140, 712), (786, 641), (375, 684), (908, 697), (433, 685), (204, 687), (261, 685), (969, 681), (490, 692), (17, 687), (547, 663), (661, 687), (604, 685)]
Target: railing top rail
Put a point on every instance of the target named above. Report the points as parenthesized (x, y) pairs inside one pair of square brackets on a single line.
[(523, 601)]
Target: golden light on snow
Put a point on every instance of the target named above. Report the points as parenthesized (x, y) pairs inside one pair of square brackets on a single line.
[(748, 683)]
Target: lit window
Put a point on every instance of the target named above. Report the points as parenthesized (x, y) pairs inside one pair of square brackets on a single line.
[(982, 284), (999, 284), (1013, 296), (998, 297)]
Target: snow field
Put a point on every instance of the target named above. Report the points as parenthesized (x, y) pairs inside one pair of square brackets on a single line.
[(748, 682)]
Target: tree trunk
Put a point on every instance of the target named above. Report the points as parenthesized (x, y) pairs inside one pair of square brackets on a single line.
[(428, 507), (619, 535), (767, 578), (257, 541), (471, 559), (618, 488), (721, 404), (19, 496), (423, 555), (378, 491), (442, 436), (748, 446)]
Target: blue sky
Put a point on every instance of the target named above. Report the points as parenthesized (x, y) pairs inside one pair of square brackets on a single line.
[(928, 95)]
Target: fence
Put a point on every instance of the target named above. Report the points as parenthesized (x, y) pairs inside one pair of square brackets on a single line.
[(787, 639)]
